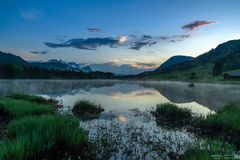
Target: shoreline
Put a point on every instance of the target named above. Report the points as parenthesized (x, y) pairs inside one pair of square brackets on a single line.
[(132, 80)]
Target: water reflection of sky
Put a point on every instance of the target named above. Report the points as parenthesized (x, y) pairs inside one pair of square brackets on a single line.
[(122, 98)]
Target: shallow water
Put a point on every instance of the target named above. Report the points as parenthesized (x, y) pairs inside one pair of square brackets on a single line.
[(131, 132)]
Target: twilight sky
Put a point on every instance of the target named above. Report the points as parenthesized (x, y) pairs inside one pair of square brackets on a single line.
[(116, 34)]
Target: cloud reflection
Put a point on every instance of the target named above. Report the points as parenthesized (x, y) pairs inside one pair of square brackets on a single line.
[(122, 118), (134, 94)]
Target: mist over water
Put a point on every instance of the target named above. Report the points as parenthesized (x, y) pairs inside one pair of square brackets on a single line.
[(126, 95)]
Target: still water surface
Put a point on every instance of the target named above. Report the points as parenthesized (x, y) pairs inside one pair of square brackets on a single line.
[(122, 96)]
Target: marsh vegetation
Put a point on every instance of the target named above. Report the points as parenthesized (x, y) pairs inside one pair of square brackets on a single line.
[(126, 128), (224, 124), (170, 115), (86, 109), (219, 131), (35, 131), (34, 99), (210, 149)]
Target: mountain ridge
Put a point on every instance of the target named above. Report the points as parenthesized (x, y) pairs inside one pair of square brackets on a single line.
[(208, 66), (11, 58), (227, 53), (174, 60), (62, 65)]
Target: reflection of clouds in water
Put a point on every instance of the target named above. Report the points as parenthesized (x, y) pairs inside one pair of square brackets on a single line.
[(78, 91), (134, 94), (122, 118), (120, 97), (127, 94), (122, 88)]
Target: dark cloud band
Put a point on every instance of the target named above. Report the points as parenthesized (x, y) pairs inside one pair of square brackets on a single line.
[(196, 24), (88, 44), (145, 40), (94, 30), (175, 38), (39, 52), (132, 42), (95, 43)]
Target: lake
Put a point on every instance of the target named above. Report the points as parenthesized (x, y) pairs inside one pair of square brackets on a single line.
[(126, 95), (126, 103)]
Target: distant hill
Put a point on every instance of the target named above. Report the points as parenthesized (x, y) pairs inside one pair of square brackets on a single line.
[(226, 54), (208, 66), (62, 65), (6, 58), (14, 67), (173, 61)]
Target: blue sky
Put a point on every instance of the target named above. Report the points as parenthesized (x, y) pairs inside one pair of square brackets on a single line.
[(151, 30)]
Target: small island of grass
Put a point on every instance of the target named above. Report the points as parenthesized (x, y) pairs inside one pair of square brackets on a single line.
[(170, 115), (86, 109)]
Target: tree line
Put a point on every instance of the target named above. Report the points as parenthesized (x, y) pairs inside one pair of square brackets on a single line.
[(14, 71)]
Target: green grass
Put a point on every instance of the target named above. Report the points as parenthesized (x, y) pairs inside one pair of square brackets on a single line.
[(85, 109), (36, 132), (45, 137), (227, 117), (225, 123), (34, 99), (209, 150), (21, 108), (202, 74), (170, 115)]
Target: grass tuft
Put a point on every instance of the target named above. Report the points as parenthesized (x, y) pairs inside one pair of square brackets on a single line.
[(85, 109), (170, 115)]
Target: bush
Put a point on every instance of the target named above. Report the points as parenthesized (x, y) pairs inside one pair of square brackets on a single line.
[(173, 77), (46, 137), (86, 109), (21, 108), (193, 75), (171, 115), (209, 150), (34, 99)]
